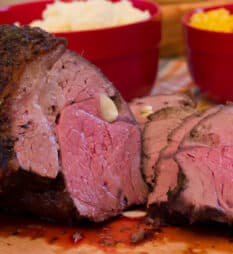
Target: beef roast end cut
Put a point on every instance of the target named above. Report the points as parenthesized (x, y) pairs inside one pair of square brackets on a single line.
[(69, 146)]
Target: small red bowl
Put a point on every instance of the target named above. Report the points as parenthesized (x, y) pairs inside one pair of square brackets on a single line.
[(210, 58), (127, 54)]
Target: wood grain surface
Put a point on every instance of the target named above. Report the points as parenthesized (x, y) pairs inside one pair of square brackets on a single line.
[(24, 236)]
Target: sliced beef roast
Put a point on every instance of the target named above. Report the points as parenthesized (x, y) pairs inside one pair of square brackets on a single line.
[(156, 132), (212, 131), (69, 146), (203, 166), (167, 171), (206, 190), (205, 159), (142, 108)]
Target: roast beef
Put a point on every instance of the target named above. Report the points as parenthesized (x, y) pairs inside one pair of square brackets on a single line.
[(203, 167), (212, 131), (143, 107), (167, 170), (61, 156), (205, 158), (156, 132)]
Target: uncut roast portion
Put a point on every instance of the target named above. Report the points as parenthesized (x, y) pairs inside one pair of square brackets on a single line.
[(69, 146)]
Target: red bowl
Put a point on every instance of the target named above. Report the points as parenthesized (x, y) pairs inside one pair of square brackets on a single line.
[(127, 54), (210, 58)]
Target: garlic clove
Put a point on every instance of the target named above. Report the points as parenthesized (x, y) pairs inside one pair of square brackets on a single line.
[(108, 108), (146, 111), (134, 214)]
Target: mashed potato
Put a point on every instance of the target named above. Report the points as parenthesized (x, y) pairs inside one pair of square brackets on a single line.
[(90, 14), (218, 20)]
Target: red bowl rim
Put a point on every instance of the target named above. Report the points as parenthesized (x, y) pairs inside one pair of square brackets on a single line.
[(154, 17), (186, 18)]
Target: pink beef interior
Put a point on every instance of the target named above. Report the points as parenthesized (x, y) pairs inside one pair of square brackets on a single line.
[(33, 118), (209, 174), (167, 169), (98, 160), (59, 114), (60, 159), (156, 133), (156, 102)]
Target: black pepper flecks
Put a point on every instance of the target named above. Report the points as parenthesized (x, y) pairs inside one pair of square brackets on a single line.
[(18, 46)]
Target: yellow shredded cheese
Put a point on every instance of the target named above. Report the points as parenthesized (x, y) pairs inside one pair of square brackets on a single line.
[(218, 20)]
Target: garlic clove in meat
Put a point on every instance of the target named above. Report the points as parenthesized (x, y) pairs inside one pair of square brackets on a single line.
[(108, 108), (146, 111)]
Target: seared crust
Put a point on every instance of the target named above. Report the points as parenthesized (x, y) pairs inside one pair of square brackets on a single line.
[(43, 84), (157, 102), (155, 134), (42, 196), (18, 47)]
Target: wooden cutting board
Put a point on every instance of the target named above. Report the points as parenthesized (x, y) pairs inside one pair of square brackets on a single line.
[(24, 236)]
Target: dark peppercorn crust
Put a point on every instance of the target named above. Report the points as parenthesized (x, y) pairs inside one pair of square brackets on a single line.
[(18, 47)]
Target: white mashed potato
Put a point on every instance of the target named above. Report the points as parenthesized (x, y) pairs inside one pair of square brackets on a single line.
[(86, 15)]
